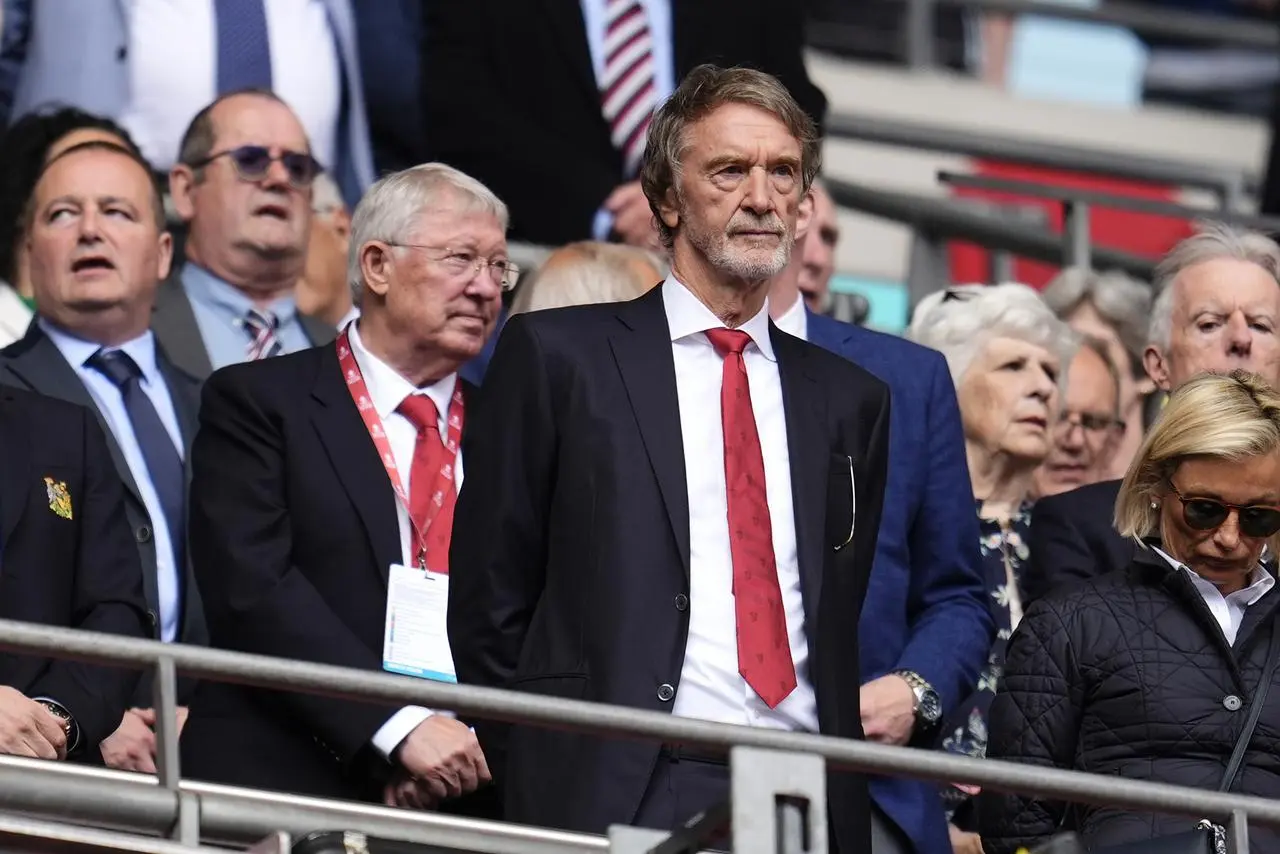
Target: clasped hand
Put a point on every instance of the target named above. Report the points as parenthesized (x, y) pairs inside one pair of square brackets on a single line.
[(440, 759)]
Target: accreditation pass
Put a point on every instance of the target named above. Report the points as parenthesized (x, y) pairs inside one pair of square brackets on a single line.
[(415, 641)]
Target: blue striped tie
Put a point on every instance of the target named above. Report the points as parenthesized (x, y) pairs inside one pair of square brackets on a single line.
[(244, 53)]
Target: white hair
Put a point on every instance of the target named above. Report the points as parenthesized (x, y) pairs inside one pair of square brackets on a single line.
[(588, 272), (1211, 242), (1123, 303), (325, 195), (390, 209), (959, 321)]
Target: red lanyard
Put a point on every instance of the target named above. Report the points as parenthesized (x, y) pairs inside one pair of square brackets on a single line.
[(444, 478)]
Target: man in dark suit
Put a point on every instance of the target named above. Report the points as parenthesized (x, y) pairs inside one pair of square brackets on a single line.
[(926, 627), (314, 475), (512, 88), (242, 186), (98, 250), (69, 561), (1217, 309), (631, 464)]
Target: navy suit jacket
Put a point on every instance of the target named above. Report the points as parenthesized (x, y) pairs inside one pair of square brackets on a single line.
[(926, 608)]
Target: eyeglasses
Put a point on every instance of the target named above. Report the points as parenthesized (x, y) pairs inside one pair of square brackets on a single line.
[(1205, 514), (1094, 425), (253, 162), (461, 263)]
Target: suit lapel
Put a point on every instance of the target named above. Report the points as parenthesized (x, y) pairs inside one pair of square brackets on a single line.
[(15, 484), (173, 321), (641, 347), (809, 451), (566, 18), (356, 461), (318, 332), (184, 390)]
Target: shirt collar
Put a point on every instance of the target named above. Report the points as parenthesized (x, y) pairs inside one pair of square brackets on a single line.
[(78, 351), (794, 321), (1260, 581), (388, 389), (687, 315), (206, 288)]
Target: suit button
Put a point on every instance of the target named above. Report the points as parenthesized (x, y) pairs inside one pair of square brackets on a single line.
[(682, 602), (143, 534), (666, 692), (1231, 703), (122, 53)]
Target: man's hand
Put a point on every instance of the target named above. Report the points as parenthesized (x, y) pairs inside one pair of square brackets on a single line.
[(888, 710), (443, 759), (403, 791), (963, 842), (632, 217), (132, 747), (28, 728)]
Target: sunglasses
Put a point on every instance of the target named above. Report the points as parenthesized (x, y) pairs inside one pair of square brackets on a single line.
[(1205, 514), (253, 162)]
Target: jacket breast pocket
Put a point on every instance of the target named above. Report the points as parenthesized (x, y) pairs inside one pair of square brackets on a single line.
[(842, 502)]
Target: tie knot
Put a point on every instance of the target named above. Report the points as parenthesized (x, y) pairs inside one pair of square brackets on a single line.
[(728, 341), (257, 321), (116, 365), (421, 412)]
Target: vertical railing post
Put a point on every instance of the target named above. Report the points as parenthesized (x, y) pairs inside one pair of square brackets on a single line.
[(919, 31), (1238, 833), (164, 690), (1076, 248)]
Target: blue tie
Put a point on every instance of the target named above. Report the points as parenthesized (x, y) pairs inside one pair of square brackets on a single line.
[(244, 54), (158, 450)]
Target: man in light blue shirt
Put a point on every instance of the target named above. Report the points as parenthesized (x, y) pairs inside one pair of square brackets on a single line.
[(97, 254), (243, 185)]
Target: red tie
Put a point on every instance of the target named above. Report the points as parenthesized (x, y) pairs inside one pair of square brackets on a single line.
[(426, 477), (764, 655)]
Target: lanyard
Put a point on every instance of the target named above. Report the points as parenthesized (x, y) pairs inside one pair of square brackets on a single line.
[(443, 478)]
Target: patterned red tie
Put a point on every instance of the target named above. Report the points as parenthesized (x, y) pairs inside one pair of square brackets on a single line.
[(764, 654), (426, 477)]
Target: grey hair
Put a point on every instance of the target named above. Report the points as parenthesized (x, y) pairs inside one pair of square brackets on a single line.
[(1121, 300), (958, 322), (1211, 242), (390, 209), (1098, 346), (325, 195), (587, 272)]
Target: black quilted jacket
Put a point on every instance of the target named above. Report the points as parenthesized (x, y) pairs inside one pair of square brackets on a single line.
[(1129, 674)]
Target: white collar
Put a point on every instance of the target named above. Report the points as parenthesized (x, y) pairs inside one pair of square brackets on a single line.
[(1260, 581), (794, 321), (388, 389), (78, 351), (687, 315)]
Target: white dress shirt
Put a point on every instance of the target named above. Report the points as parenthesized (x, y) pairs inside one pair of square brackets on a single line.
[(1227, 610), (173, 58), (110, 402), (387, 390), (794, 321), (711, 688)]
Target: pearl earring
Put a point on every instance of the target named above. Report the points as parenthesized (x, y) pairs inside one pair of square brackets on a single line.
[(1154, 505)]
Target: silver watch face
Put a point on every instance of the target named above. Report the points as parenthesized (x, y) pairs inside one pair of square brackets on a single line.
[(930, 708)]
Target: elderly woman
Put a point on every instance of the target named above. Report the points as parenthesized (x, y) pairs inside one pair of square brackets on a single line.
[(1148, 673), (1116, 309), (1006, 351)]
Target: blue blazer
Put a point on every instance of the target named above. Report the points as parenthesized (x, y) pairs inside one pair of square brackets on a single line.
[(926, 608), (74, 53)]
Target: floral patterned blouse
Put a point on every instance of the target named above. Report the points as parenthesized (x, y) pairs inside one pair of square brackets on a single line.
[(1004, 553)]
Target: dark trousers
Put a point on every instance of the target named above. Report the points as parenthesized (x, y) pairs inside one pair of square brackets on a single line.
[(680, 788)]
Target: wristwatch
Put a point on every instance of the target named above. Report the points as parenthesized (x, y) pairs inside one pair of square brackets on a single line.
[(928, 707), (68, 723)]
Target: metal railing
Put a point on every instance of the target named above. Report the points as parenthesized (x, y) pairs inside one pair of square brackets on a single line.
[(187, 810), (1229, 186)]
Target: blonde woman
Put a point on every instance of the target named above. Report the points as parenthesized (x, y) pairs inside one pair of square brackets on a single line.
[(1147, 673)]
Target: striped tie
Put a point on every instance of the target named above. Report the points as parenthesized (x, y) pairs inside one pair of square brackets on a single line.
[(628, 84), (261, 326)]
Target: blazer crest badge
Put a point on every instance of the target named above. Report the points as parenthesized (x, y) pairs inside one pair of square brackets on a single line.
[(59, 497)]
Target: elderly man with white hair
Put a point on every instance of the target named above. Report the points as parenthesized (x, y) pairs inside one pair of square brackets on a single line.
[(1217, 309), (322, 507), (1006, 352)]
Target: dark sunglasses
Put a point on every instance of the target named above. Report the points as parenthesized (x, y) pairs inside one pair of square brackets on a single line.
[(1205, 514), (252, 163)]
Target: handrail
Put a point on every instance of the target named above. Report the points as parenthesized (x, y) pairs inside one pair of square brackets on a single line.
[(577, 715), (1228, 183), (948, 218)]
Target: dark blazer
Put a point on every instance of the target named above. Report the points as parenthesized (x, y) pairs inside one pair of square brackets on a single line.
[(570, 553), (293, 530), (36, 364), (1073, 538), (173, 321), (522, 110), (81, 572), (926, 608)]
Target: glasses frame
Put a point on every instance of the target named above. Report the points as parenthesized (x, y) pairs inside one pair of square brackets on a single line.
[(316, 167), (1238, 509), (507, 283)]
